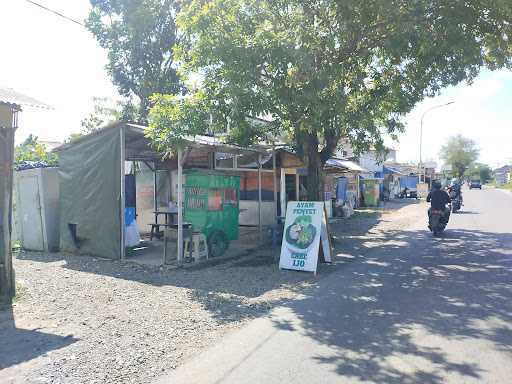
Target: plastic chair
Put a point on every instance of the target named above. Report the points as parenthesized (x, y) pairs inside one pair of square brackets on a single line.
[(197, 246), (171, 235)]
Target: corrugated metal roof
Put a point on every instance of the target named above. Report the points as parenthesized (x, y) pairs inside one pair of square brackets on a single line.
[(10, 96), (345, 164), (388, 169), (137, 141)]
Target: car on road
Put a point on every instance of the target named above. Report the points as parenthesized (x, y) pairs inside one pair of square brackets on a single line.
[(475, 184)]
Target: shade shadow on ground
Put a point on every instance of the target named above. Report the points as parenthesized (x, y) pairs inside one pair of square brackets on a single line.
[(408, 287), (228, 288), (20, 345)]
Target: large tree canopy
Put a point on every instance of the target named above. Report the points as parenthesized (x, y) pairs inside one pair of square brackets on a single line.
[(139, 36), (326, 69), (459, 152)]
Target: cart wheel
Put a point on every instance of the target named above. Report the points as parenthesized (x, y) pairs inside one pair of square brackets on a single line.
[(217, 244)]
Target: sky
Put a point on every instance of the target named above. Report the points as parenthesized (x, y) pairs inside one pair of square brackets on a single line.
[(61, 64)]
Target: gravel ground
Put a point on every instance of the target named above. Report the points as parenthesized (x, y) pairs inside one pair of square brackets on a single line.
[(87, 320)]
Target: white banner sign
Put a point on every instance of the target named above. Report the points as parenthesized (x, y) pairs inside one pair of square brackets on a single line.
[(305, 226)]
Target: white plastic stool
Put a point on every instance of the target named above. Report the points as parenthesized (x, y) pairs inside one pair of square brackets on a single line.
[(199, 246)]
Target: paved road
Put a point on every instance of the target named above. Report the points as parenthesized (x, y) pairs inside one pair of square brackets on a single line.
[(413, 309)]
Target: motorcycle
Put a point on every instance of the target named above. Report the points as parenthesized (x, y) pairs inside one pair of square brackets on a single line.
[(456, 200), (437, 222)]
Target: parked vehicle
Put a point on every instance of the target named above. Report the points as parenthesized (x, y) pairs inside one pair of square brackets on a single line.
[(475, 184), (437, 221)]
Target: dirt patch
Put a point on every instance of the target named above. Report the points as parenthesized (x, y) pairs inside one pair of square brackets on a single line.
[(88, 320)]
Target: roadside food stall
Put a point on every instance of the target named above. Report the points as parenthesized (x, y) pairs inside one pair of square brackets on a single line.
[(346, 191), (97, 203), (370, 189)]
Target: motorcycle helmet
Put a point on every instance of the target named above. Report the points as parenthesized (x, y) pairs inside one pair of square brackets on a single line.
[(436, 185)]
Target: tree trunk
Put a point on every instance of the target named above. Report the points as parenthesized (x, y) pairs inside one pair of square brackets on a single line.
[(314, 165)]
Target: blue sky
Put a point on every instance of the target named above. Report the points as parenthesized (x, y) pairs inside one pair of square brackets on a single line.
[(61, 64)]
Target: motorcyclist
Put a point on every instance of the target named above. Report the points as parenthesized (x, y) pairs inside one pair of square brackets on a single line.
[(438, 200), (455, 187)]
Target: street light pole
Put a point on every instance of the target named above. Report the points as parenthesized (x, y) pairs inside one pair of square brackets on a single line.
[(420, 169)]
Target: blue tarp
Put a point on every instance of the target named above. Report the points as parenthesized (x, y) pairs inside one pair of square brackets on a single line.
[(341, 189), (129, 215), (409, 182), (387, 170)]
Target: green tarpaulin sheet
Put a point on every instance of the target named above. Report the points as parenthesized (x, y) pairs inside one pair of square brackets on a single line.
[(90, 195)]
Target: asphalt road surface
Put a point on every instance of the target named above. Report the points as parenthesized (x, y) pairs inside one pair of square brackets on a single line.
[(412, 309)]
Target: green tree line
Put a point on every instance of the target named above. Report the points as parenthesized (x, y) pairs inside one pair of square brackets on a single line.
[(321, 70)]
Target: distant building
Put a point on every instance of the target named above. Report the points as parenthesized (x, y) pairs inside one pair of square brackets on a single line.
[(502, 175), (371, 160)]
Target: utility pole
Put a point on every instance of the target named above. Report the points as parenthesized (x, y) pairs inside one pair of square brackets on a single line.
[(420, 168), (8, 125)]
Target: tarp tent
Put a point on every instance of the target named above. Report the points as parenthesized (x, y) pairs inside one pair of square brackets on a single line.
[(92, 188), (90, 195)]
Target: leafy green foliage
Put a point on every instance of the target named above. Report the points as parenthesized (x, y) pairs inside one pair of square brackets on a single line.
[(32, 150), (107, 111), (139, 36), (481, 172), (323, 70), (185, 116), (460, 152)]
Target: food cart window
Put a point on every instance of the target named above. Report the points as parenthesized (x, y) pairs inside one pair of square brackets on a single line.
[(230, 197), (224, 160), (215, 199), (247, 161)]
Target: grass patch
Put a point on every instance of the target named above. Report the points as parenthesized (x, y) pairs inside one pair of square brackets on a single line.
[(21, 291), (501, 186)]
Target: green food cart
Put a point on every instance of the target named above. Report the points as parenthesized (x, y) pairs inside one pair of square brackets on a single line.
[(371, 191), (212, 207)]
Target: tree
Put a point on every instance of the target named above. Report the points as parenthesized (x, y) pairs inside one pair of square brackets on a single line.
[(139, 36), (481, 171), (460, 153), (107, 111), (324, 70), (32, 150)]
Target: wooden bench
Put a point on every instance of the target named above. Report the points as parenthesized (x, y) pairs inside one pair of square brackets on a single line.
[(155, 230)]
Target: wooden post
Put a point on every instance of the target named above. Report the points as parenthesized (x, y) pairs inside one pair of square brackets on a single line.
[(155, 204), (275, 181), (260, 227), (180, 206), (297, 186), (7, 285), (123, 204), (358, 190), (283, 192)]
